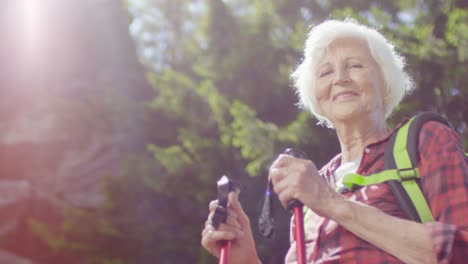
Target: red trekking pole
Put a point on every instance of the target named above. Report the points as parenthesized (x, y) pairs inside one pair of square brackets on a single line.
[(266, 223), (225, 251), (297, 208), (225, 186)]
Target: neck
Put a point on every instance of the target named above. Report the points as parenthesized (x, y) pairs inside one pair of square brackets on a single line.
[(356, 135)]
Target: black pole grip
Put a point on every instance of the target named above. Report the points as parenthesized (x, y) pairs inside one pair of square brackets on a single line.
[(293, 203), (225, 186), (266, 222)]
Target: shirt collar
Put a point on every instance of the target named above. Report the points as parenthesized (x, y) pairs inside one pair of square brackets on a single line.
[(377, 148)]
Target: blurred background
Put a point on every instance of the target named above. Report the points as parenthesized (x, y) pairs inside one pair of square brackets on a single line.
[(118, 117)]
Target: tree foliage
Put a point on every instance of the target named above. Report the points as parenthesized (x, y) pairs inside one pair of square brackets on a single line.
[(224, 105)]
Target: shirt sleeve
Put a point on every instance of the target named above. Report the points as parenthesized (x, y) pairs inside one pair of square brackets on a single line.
[(444, 181)]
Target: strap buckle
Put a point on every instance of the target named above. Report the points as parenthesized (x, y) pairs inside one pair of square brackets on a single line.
[(407, 174)]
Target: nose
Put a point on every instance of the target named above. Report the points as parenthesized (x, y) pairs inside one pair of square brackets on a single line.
[(341, 76)]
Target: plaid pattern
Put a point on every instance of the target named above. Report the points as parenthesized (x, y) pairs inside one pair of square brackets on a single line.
[(444, 182)]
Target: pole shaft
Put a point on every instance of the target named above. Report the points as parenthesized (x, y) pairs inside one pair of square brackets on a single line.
[(225, 250), (299, 232)]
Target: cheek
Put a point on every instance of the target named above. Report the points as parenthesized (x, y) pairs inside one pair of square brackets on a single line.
[(367, 82), (321, 90)]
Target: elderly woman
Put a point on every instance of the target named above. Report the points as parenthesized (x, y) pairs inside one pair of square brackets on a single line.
[(351, 79)]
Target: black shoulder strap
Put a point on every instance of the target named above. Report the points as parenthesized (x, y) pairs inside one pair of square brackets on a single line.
[(413, 134), (412, 147)]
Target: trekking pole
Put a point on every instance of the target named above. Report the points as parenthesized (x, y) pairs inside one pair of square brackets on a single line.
[(297, 208), (266, 223), (225, 186)]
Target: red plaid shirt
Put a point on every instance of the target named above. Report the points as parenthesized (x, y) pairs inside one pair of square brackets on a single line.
[(444, 182)]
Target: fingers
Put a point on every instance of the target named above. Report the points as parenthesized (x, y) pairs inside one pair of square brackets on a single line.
[(214, 204), (236, 219), (282, 167), (280, 174), (210, 238), (230, 222), (286, 160), (237, 208), (225, 231), (283, 160), (292, 177), (284, 192), (230, 230), (287, 166), (232, 218)]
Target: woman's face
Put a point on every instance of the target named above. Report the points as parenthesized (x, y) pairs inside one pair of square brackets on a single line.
[(349, 82)]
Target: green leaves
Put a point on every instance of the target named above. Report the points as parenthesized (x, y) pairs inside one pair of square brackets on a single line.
[(224, 105), (457, 32), (254, 138)]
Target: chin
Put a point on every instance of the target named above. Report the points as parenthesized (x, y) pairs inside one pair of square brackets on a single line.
[(350, 114)]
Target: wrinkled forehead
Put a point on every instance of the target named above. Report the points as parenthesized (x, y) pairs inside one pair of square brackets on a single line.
[(346, 46)]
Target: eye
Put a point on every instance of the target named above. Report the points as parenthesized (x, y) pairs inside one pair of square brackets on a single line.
[(325, 73), (356, 65)]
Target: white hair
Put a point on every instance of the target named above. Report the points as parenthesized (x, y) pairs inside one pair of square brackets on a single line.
[(397, 82)]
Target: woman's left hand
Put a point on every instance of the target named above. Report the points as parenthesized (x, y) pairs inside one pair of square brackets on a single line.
[(299, 179)]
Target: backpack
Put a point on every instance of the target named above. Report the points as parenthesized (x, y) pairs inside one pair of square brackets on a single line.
[(401, 173)]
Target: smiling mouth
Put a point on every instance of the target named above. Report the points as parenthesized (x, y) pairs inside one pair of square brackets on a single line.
[(344, 95)]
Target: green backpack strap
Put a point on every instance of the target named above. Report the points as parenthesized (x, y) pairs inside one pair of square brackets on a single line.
[(401, 160), (404, 147), (355, 180)]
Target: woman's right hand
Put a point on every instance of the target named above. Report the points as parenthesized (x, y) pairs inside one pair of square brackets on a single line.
[(236, 229)]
